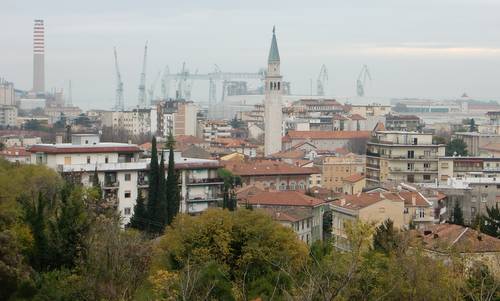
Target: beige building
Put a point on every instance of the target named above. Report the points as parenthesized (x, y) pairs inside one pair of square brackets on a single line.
[(394, 156), (335, 169), (354, 184), (373, 109), (365, 207), (136, 122), (179, 116), (7, 95), (475, 141)]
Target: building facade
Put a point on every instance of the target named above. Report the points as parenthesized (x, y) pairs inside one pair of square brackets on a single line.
[(394, 156), (335, 169)]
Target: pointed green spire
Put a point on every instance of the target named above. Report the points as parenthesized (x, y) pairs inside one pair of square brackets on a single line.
[(274, 54)]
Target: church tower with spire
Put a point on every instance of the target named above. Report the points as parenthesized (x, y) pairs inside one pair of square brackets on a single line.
[(272, 102)]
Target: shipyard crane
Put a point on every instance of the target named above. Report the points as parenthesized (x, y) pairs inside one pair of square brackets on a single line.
[(142, 84), (165, 83), (152, 88), (119, 105), (361, 81), (322, 81)]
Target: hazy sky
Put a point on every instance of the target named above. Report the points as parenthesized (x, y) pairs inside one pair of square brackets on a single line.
[(420, 48)]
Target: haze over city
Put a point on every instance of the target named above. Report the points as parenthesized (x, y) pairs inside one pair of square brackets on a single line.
[(437, 49)]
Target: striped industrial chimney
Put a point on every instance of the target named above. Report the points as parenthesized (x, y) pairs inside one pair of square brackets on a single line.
[(39, 57)]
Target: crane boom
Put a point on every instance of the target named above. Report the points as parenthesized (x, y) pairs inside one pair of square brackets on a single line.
[(142, 83), (361, 81), (165, 83), (119, 105)]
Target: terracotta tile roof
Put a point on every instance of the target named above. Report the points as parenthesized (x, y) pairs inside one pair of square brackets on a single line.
[(328, 134), (250, 190), (410, 196), (339, 117), (284, 198), (289, 154), (188, 139), (444, 237), (75, 149), (298, 145), (495, 147), (232, 142), (362, 200), (267, 168), (354, 178), (289, 215), (379, 127), (15, 152), (356, 117)]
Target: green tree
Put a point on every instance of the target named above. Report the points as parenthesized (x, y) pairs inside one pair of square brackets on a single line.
[(34, 125), (68, 227), (172, 186), (439, 140), (162, 214), (36, 218), (152, 205), (252, 249), (139, 218), (385, 237), (472, 125), (236, 123), (458, 215), (491, 222), (229, 199), (456, 147), (95, 182)]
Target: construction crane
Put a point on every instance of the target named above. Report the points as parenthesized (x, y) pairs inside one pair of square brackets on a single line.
[(142, 83), (69, 100), (322, 81), (119, 105), (165, 83), (361, 81), (152, 88)]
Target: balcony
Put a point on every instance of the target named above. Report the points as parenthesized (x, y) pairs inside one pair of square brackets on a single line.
[(205, 181), (142, 182), (372, 154), (111, 184), (427, 218), (372, 166)]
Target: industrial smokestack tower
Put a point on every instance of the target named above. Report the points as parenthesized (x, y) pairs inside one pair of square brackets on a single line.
[(39, 57)]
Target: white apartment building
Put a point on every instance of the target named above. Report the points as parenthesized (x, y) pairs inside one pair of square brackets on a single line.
[(178, 116), (136, 121), (212, 130), (8, 115), (7, 94), (123, 175)]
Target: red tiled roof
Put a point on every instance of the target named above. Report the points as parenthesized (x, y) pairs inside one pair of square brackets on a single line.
[(188, 139), (289, 154), (284, 198), (267, 168), (53, 149), (495, 147), (354, 178), (442, 237), (339, 117), (15, 152), (328, 134), (357, 117), (232, 142), (289, 215), (409, 196)]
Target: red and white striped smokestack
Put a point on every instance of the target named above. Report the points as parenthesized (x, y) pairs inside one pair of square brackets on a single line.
[(39, 56)]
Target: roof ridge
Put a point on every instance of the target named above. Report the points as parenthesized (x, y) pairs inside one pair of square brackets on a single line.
[(459, 236)]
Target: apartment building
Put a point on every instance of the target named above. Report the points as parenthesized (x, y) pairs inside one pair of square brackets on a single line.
[(135, 122), (178, 116), (211, 130), (409, 123), (460, 167), (8, 116), (308, 223), (475, 141), (273, 175), (323, 139), (375, 110), (395, 156), (123, 175), (335, 169)]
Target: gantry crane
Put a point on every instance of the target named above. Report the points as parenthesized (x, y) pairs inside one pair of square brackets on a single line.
[(322, 81), (361, 81), (152, 88), (119, 105), (165, 85), (142, 84)]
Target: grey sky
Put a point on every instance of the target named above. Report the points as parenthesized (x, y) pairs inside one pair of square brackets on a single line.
[(424, 48)]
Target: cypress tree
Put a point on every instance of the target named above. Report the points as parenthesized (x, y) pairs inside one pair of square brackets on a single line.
[(153, 177), (458, 216), (172, 188), (138, 220), (95, 182), (161, 217)]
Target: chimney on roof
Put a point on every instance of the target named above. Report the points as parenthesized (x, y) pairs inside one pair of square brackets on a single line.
[(413, 199)]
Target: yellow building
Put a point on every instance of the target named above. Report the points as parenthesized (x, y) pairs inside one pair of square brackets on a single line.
[(365, 207), (335, 169), (398, 156), (354, 184)]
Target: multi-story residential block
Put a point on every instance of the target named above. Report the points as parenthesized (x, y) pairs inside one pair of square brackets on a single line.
[(460, 167), (492, 126), (472, 193), (7, 93), (230, 145), (211, 130), (123, 175), (335, 169), (19, 140), (135, 122), (273, 175), (409, 123), (365, 207), (308, 224), (8, 116), (56, 113), (475, 141), (324, 139), (179, 116), (16, 155), (375, 110), (354, 183), (394, 156)]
